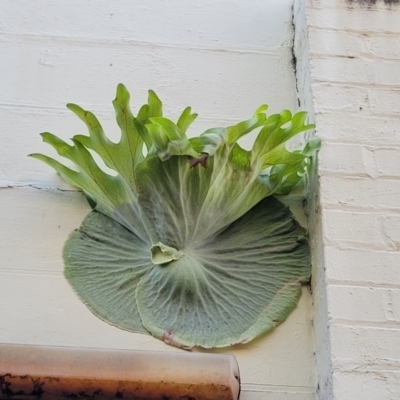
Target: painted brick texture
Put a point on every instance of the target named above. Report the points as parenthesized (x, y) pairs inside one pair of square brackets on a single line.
[(223, 58), (348, 64), (355, 81)]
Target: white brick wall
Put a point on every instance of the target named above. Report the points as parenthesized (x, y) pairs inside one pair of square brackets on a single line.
[(354, 59), (347, 70), (223, 58)]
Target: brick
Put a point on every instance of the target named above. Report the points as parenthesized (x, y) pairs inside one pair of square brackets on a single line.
[(354, 58), (361, 193), (382, 46), (340, 97), (387, 161), (358, 128), (343, 158), (394, 305), (365, 266), (207, 95), (364, 345), (348, 303), (354, 18), (391, 224), (187, 24), (384, 101), (351, 5), (357, 228), (334, 43), (356, 70), (353, 44), (367, 385)]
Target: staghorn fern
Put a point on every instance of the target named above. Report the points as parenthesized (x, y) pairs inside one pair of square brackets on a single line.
[(187, 242)]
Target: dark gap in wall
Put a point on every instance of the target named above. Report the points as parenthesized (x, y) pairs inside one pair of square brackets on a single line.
[(294, 58)]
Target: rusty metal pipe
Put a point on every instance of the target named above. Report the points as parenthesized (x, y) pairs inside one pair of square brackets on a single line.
[(51, 373)]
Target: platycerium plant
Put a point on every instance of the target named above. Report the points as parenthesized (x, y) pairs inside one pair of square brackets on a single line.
[(186, 240)]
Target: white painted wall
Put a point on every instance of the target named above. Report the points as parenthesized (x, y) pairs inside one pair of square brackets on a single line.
[(352, 76), (223, 58)]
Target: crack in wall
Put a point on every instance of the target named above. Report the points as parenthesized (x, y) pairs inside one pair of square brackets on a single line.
[(294, 58)]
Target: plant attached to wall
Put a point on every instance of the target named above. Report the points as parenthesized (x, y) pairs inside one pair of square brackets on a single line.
[(186, 241)]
